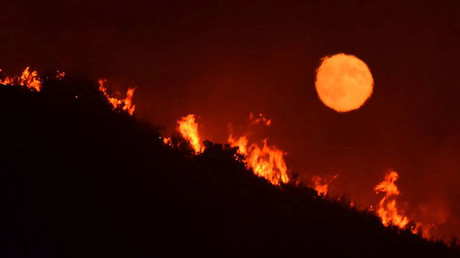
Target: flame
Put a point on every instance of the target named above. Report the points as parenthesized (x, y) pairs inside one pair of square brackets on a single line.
[(267, 162), (321, 184), (125, 104), (60, 75), (387, 211), (188, 128), (29, 79), (261, 119), (167, 140)]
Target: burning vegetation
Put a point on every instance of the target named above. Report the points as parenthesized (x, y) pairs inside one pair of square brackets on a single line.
[(389, 213), (268, 162), (32, 81), (387, 210), (29, 79), (125, 104), (264, 160), (321, 184), (188, 128)]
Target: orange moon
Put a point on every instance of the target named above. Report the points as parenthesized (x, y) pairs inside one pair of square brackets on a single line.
[(343, 82)]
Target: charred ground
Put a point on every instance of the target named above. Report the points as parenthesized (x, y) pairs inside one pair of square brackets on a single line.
[(78, 179)]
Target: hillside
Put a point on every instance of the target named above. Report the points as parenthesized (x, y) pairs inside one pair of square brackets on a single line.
[(78, 179)]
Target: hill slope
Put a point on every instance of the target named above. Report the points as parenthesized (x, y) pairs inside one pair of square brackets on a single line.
[(78, 179)]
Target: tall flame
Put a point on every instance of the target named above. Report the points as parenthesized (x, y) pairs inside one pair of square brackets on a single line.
[(188, 128), (321, 184), (265, 161), (125, 104), (387, 211), (29, 79)]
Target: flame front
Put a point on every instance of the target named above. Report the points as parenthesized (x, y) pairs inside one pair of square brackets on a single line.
[(125, 104), (29, 79), (267, 162), (387, 211), (321, 184), (188, 128)]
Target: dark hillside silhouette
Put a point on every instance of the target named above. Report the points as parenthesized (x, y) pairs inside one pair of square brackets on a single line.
[(78, 179)]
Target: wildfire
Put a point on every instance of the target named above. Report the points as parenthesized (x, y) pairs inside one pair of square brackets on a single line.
[(29, 79), (267, 162), (167, 141), (125, 104), (321, 184), (387, 211), (60, 75), (188, 128)]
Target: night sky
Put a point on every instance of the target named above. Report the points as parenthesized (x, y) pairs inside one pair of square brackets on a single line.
[(222, 60)]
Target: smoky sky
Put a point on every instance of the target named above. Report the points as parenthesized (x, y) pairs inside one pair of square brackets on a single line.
[(224, 59)]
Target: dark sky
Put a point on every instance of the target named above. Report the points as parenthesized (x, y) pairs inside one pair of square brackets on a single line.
[(224, 59)]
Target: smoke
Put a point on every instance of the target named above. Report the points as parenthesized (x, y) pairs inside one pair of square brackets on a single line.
[(222, 61)]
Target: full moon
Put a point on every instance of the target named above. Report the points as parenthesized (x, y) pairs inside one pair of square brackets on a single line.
[(343, 82)]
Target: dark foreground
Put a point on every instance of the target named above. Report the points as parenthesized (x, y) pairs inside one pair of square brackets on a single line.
[(78, 179)]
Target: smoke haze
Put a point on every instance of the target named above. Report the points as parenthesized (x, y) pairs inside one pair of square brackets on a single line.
[(223, 60)]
